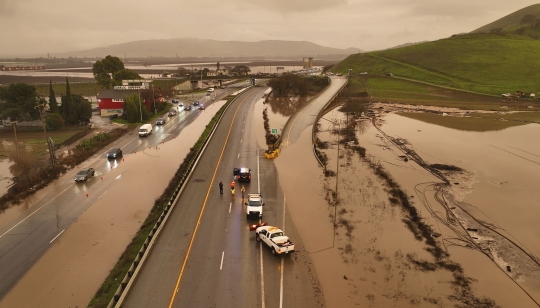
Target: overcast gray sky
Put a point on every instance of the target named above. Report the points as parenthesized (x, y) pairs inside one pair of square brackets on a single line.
[(35, 27)]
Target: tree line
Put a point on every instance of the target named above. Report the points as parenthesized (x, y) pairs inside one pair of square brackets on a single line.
[(20, 101), (293, 85)]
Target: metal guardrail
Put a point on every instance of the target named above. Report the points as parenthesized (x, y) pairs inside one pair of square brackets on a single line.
[(317, 120), (132, 274), (277, 144)]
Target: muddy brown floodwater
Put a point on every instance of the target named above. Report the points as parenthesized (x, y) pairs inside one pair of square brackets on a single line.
[(487, 222), (490, 216), (75, 266), (482, 247)]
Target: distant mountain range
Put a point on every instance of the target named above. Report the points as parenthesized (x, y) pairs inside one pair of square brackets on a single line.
[(192, 47)]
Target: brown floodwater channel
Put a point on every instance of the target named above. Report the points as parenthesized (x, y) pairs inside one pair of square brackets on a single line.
[(495, 197)]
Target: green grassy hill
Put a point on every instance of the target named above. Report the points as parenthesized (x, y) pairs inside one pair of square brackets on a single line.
[(513, 22), (484, 63)]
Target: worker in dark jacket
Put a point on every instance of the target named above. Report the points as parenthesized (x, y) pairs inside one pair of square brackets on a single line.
[(221, 188)]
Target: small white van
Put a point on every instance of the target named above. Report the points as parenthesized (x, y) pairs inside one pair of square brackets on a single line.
[(145, 130)]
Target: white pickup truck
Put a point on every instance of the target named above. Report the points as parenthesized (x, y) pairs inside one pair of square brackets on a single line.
[(254, 206), (274, 238)]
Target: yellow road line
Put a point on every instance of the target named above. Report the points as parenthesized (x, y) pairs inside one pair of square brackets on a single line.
[(202, 209)]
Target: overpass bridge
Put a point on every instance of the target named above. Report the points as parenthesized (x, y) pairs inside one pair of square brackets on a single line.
[(222, 78)]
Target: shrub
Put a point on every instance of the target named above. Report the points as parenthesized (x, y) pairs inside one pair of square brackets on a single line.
[(54, 121)]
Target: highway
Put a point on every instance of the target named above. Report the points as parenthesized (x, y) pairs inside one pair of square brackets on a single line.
[(24, 240), (206, 256)]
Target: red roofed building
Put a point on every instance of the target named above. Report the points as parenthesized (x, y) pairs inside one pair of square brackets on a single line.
[(111, 102)]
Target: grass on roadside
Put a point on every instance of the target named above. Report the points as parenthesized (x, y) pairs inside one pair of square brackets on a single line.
[(514, 116), (387, 89), (91, 88), (85, 89), (462, 123), (34, 142)]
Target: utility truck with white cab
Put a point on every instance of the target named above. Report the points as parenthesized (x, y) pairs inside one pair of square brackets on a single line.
[(274, 238)]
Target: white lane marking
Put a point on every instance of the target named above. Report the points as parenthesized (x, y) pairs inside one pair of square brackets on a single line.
[(57, 236), (230, 206), (260, 244), (238, 156), (105, 153), (283, 219), (242, 130), (258, 172), (20, 222), (282, 262), (262, 274), (281, 284), (222, 255), (240, 141), (102, 195)]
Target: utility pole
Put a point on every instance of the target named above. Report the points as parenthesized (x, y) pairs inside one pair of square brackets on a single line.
[(140, 106), (154, 97), (14, 125), (39, 107)]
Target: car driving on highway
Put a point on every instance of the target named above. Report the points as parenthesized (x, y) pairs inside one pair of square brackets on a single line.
[(114, 153), (242, 174), (161, 121), (84, 174)]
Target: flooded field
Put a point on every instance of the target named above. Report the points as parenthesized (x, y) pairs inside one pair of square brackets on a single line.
[(485, 218), (152, 71), (73, 76), (465, 236)]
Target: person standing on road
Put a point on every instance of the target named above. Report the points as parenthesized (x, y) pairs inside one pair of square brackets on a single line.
[(243, 190), (232, 192), (221, 188)]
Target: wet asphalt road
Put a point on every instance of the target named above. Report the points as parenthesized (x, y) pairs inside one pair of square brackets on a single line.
[(206, 256), (28, 237)]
